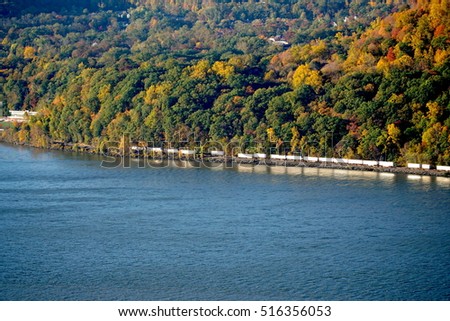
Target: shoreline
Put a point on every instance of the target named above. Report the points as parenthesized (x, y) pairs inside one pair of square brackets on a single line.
[(232, 161), (379, 169)]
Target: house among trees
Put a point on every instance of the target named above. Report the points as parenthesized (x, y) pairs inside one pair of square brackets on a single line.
[(18, 116), (279, 41)]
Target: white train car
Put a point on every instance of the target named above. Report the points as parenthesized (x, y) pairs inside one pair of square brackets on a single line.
[(137, 148), (277, 157), (339, 160), (260, 155), (187, 152), (385, 164), (355, 161), (217, 153), (311, 159), (370, 163), (247, 156), (155, 149)]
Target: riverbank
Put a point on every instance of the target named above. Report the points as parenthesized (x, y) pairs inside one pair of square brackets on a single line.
[(267, 162), (231, 160)]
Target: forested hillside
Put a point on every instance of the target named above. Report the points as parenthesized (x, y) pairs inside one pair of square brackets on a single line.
[(357, 79)]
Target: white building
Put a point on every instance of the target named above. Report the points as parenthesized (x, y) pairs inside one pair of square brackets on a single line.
[(19, 115)]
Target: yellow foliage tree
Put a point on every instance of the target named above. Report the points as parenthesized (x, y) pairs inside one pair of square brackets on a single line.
[(436, 143), (200, 70), (434, 111), (154, 92), (153, 118), (303, 75), (318, 48), (440, 57), (366, 60), (223, 69), (396, 99), (29, 52), (104, 92), (429, 137), (438, 10), (393, 134), (23, 136), (271, 135), (383, 66), (295, 140)]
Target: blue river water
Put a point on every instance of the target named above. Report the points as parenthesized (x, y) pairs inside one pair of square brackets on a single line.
[(73, 230)]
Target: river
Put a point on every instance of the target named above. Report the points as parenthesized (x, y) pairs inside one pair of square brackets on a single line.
[(71, 229)]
